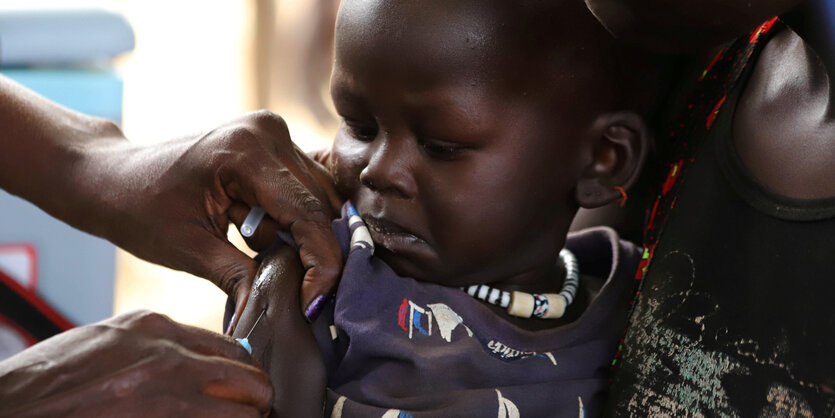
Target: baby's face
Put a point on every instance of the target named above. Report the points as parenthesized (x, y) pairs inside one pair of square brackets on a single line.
[(463, 174)]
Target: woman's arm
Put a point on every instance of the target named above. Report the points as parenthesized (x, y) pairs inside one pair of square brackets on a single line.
[(171, 203), (683, 26)]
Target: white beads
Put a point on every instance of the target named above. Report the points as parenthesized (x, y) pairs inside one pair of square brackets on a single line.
[(524, 305), (535, 305)]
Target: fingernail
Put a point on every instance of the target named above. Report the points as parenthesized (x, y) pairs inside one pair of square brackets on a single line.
[(231, 323), (315, 308)]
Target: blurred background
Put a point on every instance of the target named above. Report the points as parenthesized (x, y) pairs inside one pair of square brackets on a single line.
[(161, 69)]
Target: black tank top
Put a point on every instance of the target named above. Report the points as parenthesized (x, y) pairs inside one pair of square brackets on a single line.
[(735, 315)]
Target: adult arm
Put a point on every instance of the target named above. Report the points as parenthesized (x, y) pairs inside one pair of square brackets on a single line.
[(171, 203), (783, 125), (139, 364), (684, 26)]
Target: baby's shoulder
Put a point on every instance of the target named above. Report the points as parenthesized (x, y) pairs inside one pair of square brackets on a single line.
[(601, 253)]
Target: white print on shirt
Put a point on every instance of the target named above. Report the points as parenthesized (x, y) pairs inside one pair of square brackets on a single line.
[(337, 407), (415, 315), (448, 320), (396, 413), (391, 413), (411, 316), (507, 409), (505, 352)]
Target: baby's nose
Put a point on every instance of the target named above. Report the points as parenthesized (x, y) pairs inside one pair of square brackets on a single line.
[(390, 168)]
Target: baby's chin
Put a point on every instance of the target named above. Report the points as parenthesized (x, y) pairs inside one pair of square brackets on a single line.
[(405, 265), (421, 270)]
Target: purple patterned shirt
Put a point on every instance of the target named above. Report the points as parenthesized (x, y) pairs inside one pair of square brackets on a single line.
[(396, 347)]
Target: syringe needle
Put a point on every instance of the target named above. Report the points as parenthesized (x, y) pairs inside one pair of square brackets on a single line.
[(245, 340), (255, 324)]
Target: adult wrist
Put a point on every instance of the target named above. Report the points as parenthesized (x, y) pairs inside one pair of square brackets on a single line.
[(91, 179)]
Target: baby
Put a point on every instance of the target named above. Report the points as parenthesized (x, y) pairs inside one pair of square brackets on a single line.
[(473, 131)]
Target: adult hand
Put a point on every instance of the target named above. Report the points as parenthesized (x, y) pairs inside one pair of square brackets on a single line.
[(138, 364), (172, 203), (282, 341)]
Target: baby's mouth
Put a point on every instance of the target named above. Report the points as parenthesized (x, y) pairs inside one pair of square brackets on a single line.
[(390, 235), (384, 226)]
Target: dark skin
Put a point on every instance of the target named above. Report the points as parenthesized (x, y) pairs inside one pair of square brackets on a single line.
[(681, 26), (784, 127), (676, 15), (464, 172), (426, 144), (783, 124), (282, 341), (169, 203), (138, 364)]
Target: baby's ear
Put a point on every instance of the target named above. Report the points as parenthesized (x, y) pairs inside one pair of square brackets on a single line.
[(619, 147)]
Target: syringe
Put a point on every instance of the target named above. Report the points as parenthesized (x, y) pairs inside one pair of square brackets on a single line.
[(245, 340), (256, 214)]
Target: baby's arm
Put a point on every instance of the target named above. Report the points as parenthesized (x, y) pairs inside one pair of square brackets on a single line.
[(283, 341)]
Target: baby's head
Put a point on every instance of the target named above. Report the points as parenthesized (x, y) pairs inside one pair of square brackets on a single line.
[(473, 130)]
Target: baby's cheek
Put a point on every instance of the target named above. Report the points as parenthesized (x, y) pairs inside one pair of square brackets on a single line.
[(346, 164), (466, 237)]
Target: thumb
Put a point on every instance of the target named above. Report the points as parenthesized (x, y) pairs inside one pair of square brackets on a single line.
[(241, 296), (231, 270)]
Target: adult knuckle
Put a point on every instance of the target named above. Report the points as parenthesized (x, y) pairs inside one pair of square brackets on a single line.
[(230, 277), (269, 120), (135, 316), (311, 204), (304, 199), (107, 126), (116, 335), (241, 137), (298, 201), (151, 320), (122, 319)]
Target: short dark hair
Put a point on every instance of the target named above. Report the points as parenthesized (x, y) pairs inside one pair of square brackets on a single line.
[(569, 38)]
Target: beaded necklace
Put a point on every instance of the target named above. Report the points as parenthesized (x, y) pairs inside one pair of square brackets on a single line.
[(534, 305)]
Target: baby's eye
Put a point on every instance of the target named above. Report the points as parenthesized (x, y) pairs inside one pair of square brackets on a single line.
[(443, 150), (359, 130)]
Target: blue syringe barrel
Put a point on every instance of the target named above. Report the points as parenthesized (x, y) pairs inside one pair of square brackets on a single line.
[(256, 214)]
